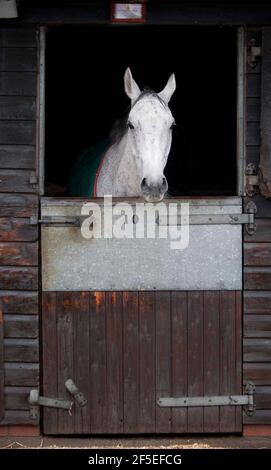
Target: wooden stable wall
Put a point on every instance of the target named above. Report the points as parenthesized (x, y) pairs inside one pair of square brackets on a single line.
[(19, 350), (257, 266)]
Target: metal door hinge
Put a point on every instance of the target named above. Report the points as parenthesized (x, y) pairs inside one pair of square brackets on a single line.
[(254, 52), (33, 180), (246, 400), (251, 210), (252, 180), (36, 400)]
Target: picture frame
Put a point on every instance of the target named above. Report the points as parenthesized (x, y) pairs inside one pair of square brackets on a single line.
[(124, 12)]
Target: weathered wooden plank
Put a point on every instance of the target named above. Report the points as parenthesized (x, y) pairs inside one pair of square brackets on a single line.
[(265, 158), (158, 12), (258, 373), (262, 233), (238, 366), (18, 59), (49, 357), (211, 358), (257, 326), (130, 362), (18, 417), (17, 132), (17, 37), (19, 302), (195, 372), (18, 83), (21, 350), (257, 278), (253, 133), (21, 374), (114, 348), (17, 108), (263, 206), (98, 366), (65, 355), (147, 362), (263, 398), (253, 85), (16, 398), (227, 358), (258, 417), (81, 341), (21, 326), (253, 109), (17, 230), (18, 205), (16, 181), (257, 301), (163, 359), (23, 278), (2, 403), (257, 254), (257, 350), (179, 358), (17, 156), (19, 254)]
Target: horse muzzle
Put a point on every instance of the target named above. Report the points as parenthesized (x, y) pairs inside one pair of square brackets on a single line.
[(153, 192)]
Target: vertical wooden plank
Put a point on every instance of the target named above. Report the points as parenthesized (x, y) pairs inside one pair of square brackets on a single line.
[(227, 358), (130, 362), (65, 326), (98, 396), (179, 358), (81, 344), (114, 360), (50, 365), (211, 358), (238, 356), (163, 359), (2, 406), (195, 358), (147, 362)]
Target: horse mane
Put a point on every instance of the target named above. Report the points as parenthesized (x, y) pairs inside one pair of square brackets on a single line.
[(119, 127)]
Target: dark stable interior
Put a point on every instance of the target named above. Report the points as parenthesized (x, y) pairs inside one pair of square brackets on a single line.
[(85, 95)]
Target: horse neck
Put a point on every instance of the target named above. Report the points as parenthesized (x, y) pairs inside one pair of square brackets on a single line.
[(127, 179)]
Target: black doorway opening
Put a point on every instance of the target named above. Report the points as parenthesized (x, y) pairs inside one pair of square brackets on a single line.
[(85, 95)]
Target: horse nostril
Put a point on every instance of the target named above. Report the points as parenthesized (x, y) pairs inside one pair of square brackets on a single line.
[(164, 183), (143, 183)]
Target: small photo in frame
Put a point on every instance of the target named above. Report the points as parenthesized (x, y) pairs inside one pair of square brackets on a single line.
[(128, 12)]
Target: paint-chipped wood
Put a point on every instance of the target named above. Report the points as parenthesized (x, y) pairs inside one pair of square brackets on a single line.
[(257, 302), (16, 181), (21, 374), (257, 350), (257, 326), (19, 254), (17, 229), (257, 278), (24, 278), (21, 326), (19, 302), (257, 254), (18, 205), (259, 373), (21, 350)]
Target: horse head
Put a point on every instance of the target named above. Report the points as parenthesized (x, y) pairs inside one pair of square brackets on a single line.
[(150, 125)]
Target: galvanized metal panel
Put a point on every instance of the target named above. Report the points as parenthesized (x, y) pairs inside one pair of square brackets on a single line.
[(212, 260)]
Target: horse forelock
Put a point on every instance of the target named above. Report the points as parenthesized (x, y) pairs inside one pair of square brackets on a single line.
[(119, 127)]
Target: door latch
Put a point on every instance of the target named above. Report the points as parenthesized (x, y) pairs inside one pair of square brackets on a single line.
[(36, 400)]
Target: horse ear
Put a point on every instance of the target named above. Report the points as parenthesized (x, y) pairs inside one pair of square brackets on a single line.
[(131, 88), (169, 89)]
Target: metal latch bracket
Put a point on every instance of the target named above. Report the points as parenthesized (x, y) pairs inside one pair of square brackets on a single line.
[(246, 400)]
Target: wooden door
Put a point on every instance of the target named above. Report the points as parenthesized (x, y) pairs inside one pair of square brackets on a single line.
[(125, 347)]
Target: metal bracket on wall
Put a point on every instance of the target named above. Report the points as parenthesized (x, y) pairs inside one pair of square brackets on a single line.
[(33, 180), (252, 180), (254, 53), (251, 210), (36, 400), (246, 400)]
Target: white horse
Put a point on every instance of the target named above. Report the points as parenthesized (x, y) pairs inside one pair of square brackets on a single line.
[(134, 164)]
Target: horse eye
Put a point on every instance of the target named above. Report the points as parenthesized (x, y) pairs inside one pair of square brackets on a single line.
[(173, 125), (130, 125)]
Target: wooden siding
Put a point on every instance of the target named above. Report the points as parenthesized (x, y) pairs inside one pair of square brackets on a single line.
[(18, 239), (257, 269), (124, 350)]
